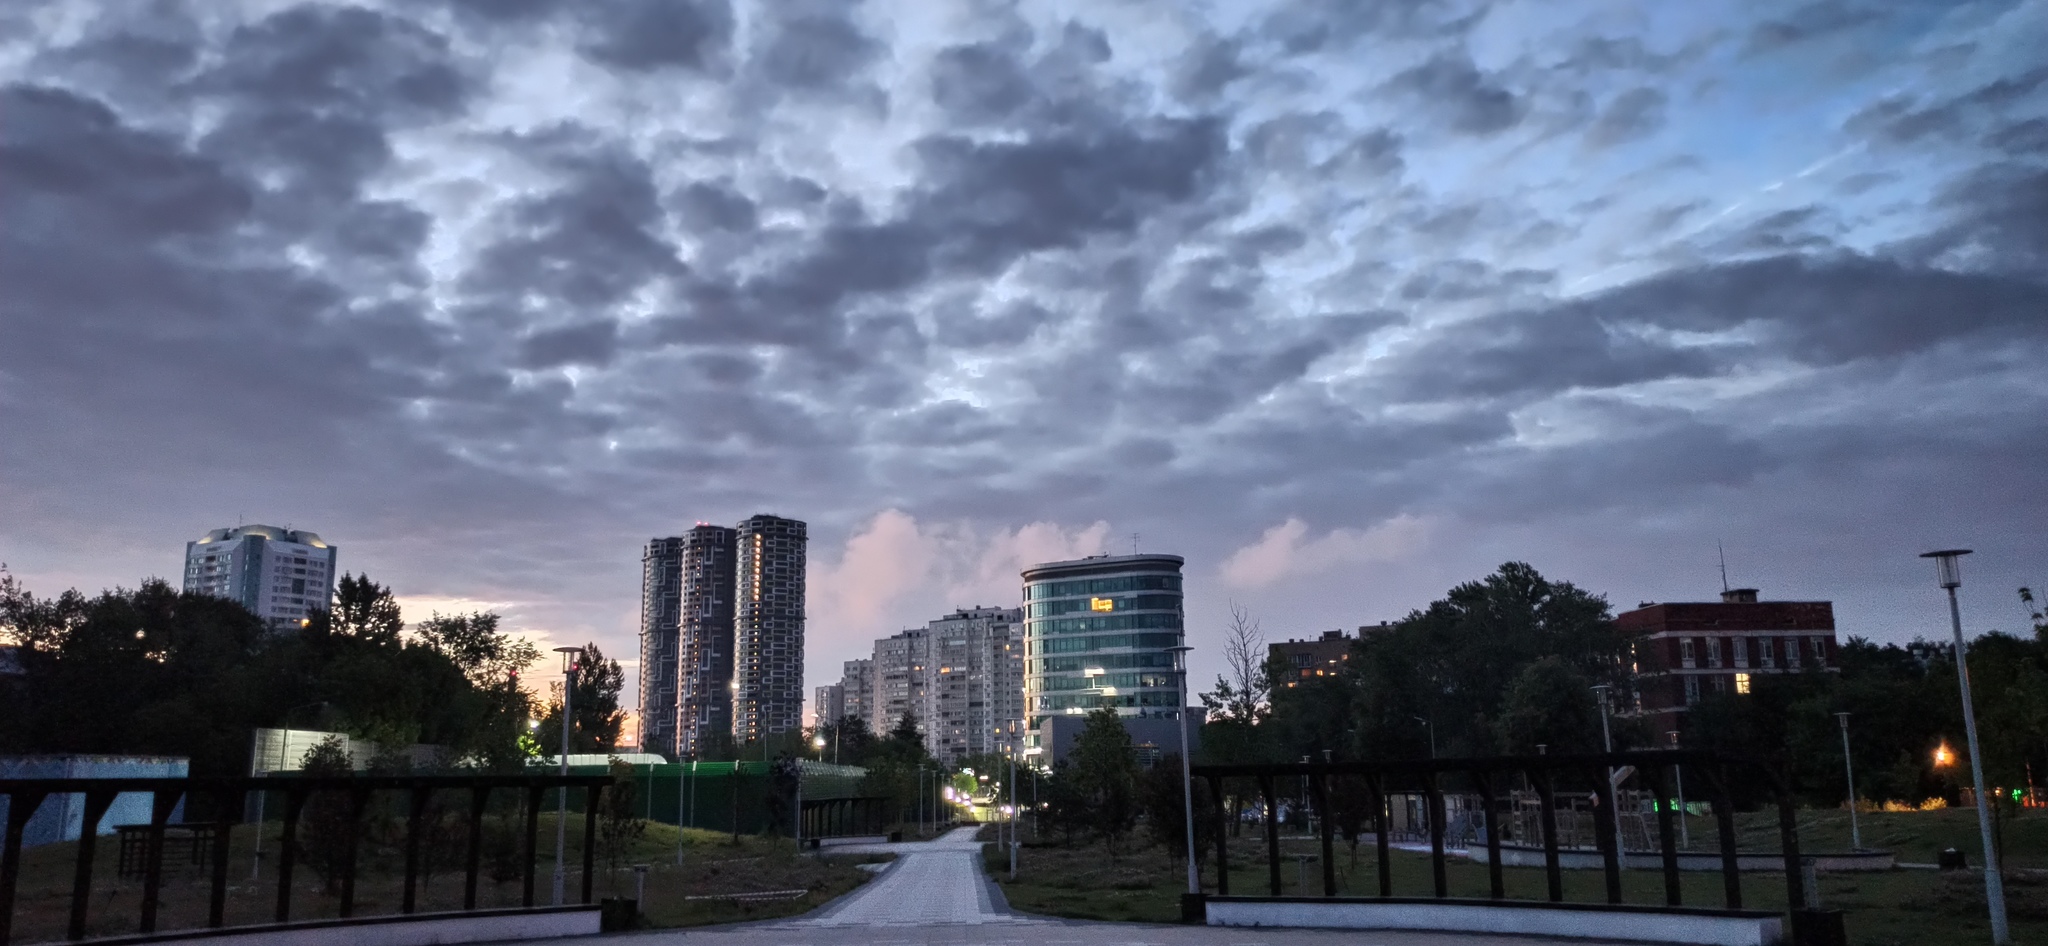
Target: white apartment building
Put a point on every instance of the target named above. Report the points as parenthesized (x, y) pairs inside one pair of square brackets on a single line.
[(282, 575)]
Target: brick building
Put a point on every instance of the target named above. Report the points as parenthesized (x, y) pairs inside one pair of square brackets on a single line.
[(1687, 651)]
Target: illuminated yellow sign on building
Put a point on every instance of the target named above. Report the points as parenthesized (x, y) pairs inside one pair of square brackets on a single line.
[(1101, 604)]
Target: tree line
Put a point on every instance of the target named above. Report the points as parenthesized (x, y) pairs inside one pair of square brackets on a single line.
[(1510, 662), (158, 671)]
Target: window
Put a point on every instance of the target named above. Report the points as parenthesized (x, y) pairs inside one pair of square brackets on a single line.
[(1742, 683), (1713, 651), (1685, 655), (1766, 656), (1792, 652), (1820, 651), (1720, 684), (1741, 645), (1692, 690)]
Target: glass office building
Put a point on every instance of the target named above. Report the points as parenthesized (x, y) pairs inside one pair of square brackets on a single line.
[(1098, 632)]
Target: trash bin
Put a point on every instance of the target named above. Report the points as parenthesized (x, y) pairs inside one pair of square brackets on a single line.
[(615, 914), (1818, 928), (1952, 859)]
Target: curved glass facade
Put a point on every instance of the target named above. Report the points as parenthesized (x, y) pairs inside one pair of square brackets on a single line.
[(1097, 633)]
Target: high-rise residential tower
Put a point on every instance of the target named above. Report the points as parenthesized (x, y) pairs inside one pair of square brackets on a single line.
[(828, 704), (661, 608), (704, 659), (768, 628), (973, 695), (1098, 632), (898, 674), (280, 574), (857, 688)]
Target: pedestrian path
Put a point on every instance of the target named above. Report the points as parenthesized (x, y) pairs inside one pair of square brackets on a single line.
[(935, 883)]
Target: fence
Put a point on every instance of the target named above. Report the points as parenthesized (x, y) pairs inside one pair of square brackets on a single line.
[(25, 796), (1493, 781)]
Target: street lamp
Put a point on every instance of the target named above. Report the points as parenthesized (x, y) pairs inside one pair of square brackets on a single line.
[(570, 655), (1849, 769), (1949, 573), (1678, 775), (1613, 790), (1187, 779), (1431, 729)]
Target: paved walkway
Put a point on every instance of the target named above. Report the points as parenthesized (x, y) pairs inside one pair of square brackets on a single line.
[(935, 883), (936, 894)]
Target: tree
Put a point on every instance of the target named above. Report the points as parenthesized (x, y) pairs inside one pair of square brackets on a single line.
[(1166, 810), (326, 825), (1106, 773), (1549, 704), (892, 763), (619, 825), (363, 610), (1454, 662), (491, 661), (598, 682)]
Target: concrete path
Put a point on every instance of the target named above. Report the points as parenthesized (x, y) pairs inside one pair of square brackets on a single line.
[(934, 883), (936, 894)]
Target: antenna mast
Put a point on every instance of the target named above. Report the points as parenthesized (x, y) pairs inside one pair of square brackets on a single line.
[(1724, 563)]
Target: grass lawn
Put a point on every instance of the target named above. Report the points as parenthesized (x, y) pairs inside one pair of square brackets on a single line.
[(1904, 907), (712, 865)]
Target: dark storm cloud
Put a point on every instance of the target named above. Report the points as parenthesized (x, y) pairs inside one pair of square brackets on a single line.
[(814, 47), (592, 344), (1809, 22), (716, 206), (1633, 114), (1822, 312), (1907, 120), (1998, 220), (651, 34), (345, 61), (982, 205), (2021, 139), (980, 82), (1450, 89), (589, 242)]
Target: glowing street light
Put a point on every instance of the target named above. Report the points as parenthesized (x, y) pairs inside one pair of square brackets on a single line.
[(1948, 572)]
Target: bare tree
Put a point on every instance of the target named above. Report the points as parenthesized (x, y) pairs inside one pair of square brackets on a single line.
[(1244, 649)]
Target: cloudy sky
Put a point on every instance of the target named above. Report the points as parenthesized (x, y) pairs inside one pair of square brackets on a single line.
[(1346, 302)]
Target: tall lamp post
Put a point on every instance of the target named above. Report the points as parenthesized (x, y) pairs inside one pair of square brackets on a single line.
[(1949, 572), (569, 657), (1613, 790), (1678, 775), (1431, 729), (1187, 778), (1849, 769)]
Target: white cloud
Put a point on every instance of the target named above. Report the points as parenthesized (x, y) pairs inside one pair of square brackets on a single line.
[(1286, 551)]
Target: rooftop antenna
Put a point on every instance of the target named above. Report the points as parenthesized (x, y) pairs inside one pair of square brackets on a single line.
[(1724, 564), (1134, 543)]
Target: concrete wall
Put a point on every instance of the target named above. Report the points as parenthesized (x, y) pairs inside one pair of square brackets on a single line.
[(428, 929), (1568, 921)]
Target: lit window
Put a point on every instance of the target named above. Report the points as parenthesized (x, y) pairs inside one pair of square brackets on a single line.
[(1742, 683), (1101, 604)]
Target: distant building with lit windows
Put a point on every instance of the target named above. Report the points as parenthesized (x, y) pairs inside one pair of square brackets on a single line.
[(1098, 632), (704, 642), (283, 575), (1296, 660), (768, 628), (1684, 652)]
